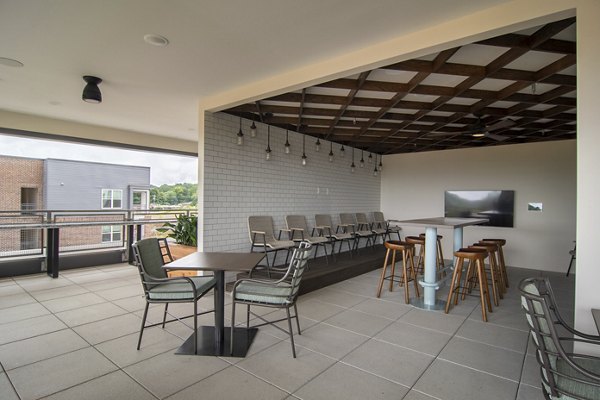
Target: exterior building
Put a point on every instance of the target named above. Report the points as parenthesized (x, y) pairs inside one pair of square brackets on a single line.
[(69, 186)]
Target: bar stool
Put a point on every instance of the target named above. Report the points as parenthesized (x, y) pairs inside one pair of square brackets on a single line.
[(497, 289), (500, 243), (418, 241), (407, 250), (496, 254), (475, 257), (440, 253)]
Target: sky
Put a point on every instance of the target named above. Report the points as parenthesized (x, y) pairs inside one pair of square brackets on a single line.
[(164, 168)]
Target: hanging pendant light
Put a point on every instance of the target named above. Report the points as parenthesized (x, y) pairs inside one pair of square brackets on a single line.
[(253, 129), (362, 159), (287, 142), (352, 166), (374, 168), (268, 150), (380, 166), (330, 151), (240, 135), (303, 152), (318, 145), (91, 91), (370, 158), (342, 152)]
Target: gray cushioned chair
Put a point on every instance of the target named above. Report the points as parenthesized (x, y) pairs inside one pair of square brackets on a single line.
[(262, 236), (298, 230), (280, 293), (150, 257), (379, 222), (324, 226), (564, 375)]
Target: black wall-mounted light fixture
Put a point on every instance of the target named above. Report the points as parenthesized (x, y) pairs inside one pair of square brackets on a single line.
[(91, 91)]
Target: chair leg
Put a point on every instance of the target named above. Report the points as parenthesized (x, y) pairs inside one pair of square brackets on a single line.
[(287, 310), (570, 264), (248, 316), (381, 280), (143, 324), (297, 319), (452, 285), (414, 275), (196, 326), (393, 270), (165, 315), (232, 327)]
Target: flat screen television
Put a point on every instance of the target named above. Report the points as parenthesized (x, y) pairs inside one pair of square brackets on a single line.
[(496, 205)]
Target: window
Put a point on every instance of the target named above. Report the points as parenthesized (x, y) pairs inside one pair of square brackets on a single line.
[(112, 198), (112, 233)]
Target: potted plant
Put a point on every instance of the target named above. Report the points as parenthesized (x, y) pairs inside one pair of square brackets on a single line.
[(184, 233)]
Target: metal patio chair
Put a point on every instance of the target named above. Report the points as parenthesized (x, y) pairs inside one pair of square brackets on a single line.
[(350, 225), (158, 288), (262, 236), (380, 222), (281, 293), (324, 226), (298, 231)]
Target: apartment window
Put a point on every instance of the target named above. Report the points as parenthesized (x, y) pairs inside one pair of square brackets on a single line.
[(112, 198), (112, 233)]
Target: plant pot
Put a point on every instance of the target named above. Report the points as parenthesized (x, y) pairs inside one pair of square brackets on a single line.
[(178, 251)]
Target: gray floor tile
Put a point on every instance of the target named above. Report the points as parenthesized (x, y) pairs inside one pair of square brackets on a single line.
[(395, 363), (135, 303), (438, 321), (89, 314), (121, 292), (169, 373), (359, 322), (16, 299), (318, 310), (483, 357), (27, 351), (7, 392), (73, 302), (21, 312), (383, 308), (415, 395), (56, 293), (84, 278), (527, 392), (329, 340), (494, 334), (350, 383), (116, 385), (27, 328), (50, 376), (10, 288), (338, 298), (531, 372), (290, 373), (413, 337), (448, 381), (110, 328), (512, 318), (41, 282), (220, 387)]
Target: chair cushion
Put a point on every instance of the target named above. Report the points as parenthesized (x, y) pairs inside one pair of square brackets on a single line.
[(280, 244), (181, 290), (581, 390), (264, 294)]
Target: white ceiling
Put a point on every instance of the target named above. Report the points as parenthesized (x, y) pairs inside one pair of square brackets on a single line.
[(215, 46)]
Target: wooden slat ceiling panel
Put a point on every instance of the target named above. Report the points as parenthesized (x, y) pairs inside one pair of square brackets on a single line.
[(524, 93)]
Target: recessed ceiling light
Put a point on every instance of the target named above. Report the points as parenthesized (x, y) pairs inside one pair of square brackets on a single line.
[(9, 62), (156, 40)]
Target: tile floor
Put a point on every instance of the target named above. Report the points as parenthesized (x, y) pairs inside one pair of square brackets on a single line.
[(74, 338)]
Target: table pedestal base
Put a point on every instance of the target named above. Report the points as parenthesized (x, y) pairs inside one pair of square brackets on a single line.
[(242, 339), (419, 303)]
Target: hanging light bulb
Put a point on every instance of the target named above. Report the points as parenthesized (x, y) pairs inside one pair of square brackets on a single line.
[(374, 168), (287, 142), (240, 135), (268, 150), (370, 158), (253, 129), (380, 166), (362, 159), (342, 152), (352, 166), (303, 152), (330, 151), (318, 145)]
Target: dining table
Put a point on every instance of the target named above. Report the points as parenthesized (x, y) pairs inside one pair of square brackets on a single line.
[(430, 283), (214, 340)]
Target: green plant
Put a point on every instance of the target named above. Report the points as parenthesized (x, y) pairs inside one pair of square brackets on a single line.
[(184, 231)]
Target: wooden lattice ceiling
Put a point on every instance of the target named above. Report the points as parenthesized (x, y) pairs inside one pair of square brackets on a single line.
[(516, 88)]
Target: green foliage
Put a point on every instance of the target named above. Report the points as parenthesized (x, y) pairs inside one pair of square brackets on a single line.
[(184, 231), (178, 193)]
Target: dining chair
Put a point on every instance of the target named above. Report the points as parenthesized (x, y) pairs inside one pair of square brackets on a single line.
[(324, 225), (380, 222), (158, 288), (564, 375), (350, 225), (364, 224), (298, 232), (262, 236), (281, 294)]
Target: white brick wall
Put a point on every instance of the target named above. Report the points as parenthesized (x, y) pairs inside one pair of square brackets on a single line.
[(239, 182)]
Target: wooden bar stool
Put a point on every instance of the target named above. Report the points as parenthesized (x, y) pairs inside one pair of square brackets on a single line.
[(497, 287), (475, 257), (407, 250), (496, 255), (500, 243), (418, 241), (440, 253)]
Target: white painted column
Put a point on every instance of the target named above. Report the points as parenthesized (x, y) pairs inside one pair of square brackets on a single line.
[(588, 167), (201, 178)]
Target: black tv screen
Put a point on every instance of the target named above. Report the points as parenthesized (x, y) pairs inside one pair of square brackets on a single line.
[(496, 205)]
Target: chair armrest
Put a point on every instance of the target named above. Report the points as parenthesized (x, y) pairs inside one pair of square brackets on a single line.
[(259, 233), (289, 232), (294, 230)]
